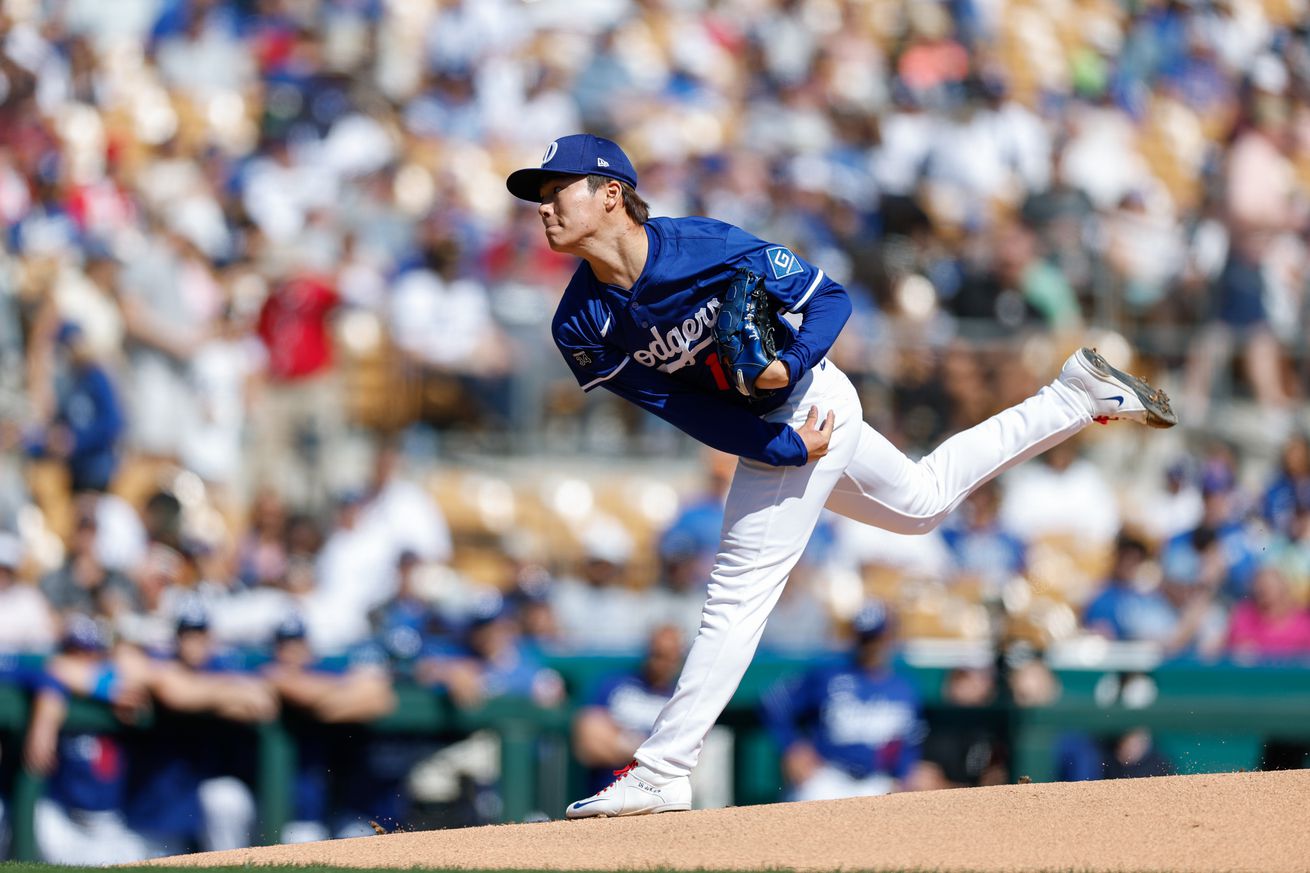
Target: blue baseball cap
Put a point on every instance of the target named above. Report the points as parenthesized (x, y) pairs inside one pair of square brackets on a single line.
[(192, 616), (579, 154), (292, 627), (871, 621)]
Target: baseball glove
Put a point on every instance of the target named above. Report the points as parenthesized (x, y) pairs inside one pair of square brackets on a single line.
[(744, 333)]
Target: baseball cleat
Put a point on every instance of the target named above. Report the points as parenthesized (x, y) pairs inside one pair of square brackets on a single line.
[(1113, 394), (633, 792)]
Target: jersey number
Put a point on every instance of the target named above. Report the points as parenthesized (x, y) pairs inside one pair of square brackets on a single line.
[(716, 368)]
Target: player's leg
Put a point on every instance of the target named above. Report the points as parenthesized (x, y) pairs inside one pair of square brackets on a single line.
[(228, 810), (883, 487), (832, 783), (768, 517)]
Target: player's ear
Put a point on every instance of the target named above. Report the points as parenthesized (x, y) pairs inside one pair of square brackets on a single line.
[(613, 195)]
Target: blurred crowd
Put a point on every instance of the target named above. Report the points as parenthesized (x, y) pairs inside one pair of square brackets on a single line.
[(261, 281)]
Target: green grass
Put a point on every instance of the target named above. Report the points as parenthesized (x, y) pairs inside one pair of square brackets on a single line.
[(34, 867)]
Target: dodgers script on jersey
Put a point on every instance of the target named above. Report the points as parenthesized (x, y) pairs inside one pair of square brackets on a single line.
[(861, 722), (653, 343)]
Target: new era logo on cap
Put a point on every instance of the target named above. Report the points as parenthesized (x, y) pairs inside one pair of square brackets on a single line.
[(580, 154)]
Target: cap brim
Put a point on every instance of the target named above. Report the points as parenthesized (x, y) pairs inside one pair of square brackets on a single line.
[(526, 184)]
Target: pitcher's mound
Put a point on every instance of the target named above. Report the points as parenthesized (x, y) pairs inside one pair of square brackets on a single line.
[(1223, 823)]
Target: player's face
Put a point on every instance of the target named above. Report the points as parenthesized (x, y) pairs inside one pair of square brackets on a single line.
[(570, 211)]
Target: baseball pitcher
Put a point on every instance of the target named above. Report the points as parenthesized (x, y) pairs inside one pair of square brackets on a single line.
[(681, 316)]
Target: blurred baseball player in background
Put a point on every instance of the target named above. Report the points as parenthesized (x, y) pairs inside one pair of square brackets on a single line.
[(651, 313), (851, 729)]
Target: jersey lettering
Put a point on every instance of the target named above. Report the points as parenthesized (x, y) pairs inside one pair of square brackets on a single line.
[(678, 347)]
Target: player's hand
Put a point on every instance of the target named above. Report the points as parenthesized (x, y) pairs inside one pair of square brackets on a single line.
[(773, 376), (815, 435), (800, 762)]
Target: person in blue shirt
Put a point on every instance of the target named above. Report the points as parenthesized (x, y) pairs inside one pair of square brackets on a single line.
[(1123, 609), (622, 708), (638, 318), (329, 702), (189, 779), (88, 419), (981, 547), (852, 729), (80, 817), (1289, 492)]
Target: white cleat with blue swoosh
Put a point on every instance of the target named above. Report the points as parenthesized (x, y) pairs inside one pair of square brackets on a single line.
[(1113, 394), (634, 791)]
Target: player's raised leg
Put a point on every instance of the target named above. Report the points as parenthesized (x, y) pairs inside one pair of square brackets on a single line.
[(884, 488)]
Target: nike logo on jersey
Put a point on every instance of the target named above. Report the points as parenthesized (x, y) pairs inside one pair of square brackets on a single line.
[(1117, 397), (679, 346)]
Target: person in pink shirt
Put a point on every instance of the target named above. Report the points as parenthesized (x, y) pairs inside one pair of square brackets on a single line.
[(1269, 624)]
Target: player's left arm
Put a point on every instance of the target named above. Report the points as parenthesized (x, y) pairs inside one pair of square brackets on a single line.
[(801, 288)]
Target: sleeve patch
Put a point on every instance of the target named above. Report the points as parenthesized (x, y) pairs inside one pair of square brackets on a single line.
[(583, 359), (783, 262)]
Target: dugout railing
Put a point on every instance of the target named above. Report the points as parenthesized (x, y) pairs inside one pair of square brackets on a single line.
[(1206, 717)]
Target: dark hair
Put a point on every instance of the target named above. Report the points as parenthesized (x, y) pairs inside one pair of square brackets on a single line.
[(638, 210)]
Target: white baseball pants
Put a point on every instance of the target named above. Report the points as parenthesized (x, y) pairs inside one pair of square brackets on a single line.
[(771, 511)]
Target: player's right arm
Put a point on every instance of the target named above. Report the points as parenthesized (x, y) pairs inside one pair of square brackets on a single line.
[(723, 426)]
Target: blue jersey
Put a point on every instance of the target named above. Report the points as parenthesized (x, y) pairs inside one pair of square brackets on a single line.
[(653, 343), (90, 773), (169, 763), (631, 701), (634, 704), (90, 768), (861, 722)]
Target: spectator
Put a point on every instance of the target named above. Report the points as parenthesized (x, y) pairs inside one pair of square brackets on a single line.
[(150, 623), (596, 610), (851, 730), (188, 784), (964, 753), (403, 509), (1222, 546), (81, 819), (165, 294), (620, 711), (1289, 492), (298, 423), (223, 373), (1130, 606), (87, 422), (492, 662), (1270, 625), (442, 320), (1133, 756), (84, 584), (408, 622), (26, 623), (329, 701), (981, 549), (1162, 513), (1063, 495), (262, 553)]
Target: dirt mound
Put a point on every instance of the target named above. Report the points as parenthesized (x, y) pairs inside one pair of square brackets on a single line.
[(1230, 822)]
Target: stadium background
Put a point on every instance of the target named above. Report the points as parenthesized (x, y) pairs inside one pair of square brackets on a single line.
[(276, 345)]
